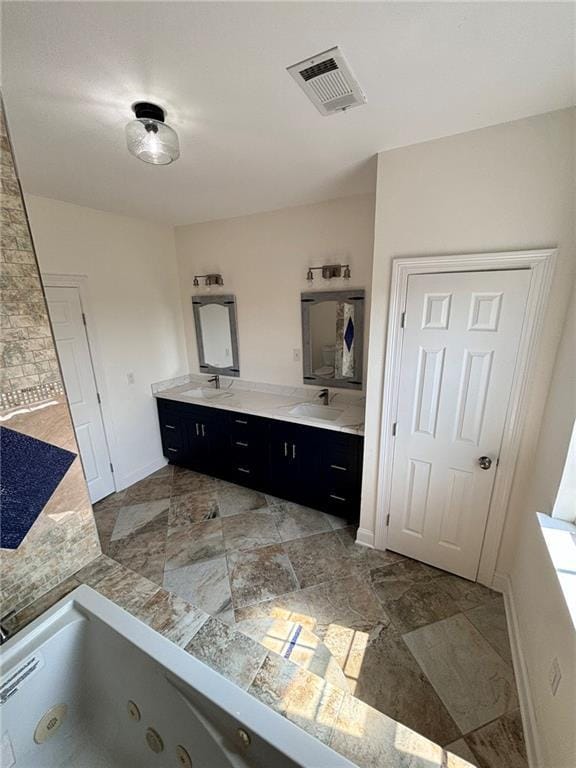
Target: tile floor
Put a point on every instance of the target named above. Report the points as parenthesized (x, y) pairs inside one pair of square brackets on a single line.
[(427, 648)]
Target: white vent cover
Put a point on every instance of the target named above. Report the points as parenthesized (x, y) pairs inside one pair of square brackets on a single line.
[(328, 82)]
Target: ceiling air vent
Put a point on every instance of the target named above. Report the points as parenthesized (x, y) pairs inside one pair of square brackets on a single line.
[(328, 82)]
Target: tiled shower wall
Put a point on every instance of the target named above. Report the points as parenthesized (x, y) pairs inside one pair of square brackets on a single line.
[(33, 403)]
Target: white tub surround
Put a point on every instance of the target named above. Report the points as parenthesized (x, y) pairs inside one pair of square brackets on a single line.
[(267, 400)]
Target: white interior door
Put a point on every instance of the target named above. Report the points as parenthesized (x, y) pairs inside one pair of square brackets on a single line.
[(65, 312), (459, 351)]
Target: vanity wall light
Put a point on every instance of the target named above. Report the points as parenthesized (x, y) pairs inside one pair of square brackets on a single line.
[(208, 280), (329, 271)]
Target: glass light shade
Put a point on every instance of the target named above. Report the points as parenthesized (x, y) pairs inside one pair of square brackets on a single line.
[(152, 141)]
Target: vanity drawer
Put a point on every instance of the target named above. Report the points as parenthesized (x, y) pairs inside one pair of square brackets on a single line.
[(249, 472), (341, 502)]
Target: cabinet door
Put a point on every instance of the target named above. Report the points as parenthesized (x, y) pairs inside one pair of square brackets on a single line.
[(206, 444), (291, 453)]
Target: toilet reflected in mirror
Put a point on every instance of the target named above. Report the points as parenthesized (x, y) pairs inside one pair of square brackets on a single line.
[(332, 338)]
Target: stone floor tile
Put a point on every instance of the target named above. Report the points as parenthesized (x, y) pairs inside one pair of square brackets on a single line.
[(192, 507), (302, 697), (490, 620), (500, 743), (199, 541), (460, 749), (229, 652), (250, 530), (132, 518), (383, 673), (260, 574), (205, 584), (145, 550), (172, 617), (472, 680), (370, 740), (233, 499), (319, 558), (97, 570), (295, 521)]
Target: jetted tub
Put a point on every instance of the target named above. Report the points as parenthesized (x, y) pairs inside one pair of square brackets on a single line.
[(86, 685)]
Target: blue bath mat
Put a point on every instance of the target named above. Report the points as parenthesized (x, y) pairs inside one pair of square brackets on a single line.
[(30, 472)]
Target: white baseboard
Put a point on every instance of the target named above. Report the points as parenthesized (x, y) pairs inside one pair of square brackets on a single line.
[(140, 473), (365, 537), (503, 583)]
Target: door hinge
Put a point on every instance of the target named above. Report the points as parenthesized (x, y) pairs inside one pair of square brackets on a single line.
[(402, 319), (111, 467), (498, 461), (394, 428), (98, 398), (83, 318), (388, 519)]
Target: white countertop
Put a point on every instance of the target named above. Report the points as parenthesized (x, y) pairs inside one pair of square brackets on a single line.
[(269, 401)]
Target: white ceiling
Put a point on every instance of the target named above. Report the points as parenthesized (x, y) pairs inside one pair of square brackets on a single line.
[(250, 140)]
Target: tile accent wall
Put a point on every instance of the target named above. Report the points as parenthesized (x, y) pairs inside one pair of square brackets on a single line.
[(49, 527)]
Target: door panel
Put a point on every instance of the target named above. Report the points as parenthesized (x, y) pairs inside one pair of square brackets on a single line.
[(459, 353), (72, 344)]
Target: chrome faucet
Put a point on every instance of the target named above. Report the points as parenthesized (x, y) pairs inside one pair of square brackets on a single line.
[(324, 395), (216, 380)]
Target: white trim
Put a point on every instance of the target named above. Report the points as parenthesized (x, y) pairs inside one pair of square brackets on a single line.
[(503, 583), (541, 263), (365, 537), (79, 281), (140, 473)]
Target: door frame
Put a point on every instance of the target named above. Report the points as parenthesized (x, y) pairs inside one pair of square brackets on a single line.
[(542, 264), (80, 282)]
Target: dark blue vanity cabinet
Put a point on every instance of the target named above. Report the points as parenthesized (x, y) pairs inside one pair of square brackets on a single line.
[(316, 467)]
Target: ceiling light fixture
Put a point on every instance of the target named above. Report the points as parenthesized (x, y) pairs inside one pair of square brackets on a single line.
[(149, 138)]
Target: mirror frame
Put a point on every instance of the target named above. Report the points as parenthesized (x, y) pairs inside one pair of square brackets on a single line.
[(229, 302), (310, 298)]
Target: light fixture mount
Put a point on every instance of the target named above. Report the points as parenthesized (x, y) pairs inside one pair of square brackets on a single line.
[(147, 111)]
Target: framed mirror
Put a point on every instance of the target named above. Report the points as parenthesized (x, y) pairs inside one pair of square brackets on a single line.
[(333, 338), (216, 334)]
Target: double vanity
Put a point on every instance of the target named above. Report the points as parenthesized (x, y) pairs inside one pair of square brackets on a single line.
[(280, 441), (301, 444)]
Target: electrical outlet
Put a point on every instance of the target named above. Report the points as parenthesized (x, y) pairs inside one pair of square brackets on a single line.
[(296, 355), (130, 377), (554, 675)]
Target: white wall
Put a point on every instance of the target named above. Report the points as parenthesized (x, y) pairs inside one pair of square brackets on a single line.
[(506, 187), (545, 628), (501, 188), (264, 259), (133, 291)]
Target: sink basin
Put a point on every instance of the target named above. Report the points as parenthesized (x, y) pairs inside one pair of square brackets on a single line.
[(312, 411), (203, 393)]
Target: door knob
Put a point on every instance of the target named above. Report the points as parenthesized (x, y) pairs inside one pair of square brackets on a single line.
[(485, 462)]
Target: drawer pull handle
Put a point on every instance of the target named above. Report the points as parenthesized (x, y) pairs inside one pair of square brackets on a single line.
[(240, 443), (241, 469), (337, 466), (293, 451), (173, 450), (203, 432), (240, 421), (285, 449), (197, 431), (337, 498), (169, 426)]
